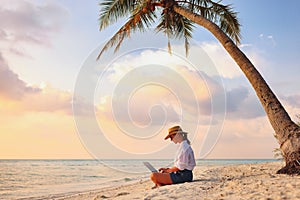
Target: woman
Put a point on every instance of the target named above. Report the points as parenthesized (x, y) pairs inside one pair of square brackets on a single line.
[(184, 161)]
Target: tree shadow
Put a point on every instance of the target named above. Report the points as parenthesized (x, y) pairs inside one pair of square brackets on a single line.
[(206, 180)]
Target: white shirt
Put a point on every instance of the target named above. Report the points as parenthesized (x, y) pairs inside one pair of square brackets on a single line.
[(184, 158)]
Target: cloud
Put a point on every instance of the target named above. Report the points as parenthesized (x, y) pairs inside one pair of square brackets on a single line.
[(151, 105), (292, 105), (261, 36), (223, 62), (293, 100), (18, 97), (267, 38), (210, 94), (46, 99), (235, 97), (249, 108), (11, 86), (24, 22), (143, 93)]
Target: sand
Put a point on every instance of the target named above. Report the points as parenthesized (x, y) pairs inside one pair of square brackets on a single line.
[(246, 181)]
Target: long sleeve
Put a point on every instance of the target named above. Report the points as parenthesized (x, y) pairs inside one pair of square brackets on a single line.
[(185, 158)]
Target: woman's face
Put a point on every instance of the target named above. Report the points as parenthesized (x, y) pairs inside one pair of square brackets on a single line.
[(177, 138)]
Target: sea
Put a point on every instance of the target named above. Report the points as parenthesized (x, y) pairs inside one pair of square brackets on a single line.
[(39, 179)]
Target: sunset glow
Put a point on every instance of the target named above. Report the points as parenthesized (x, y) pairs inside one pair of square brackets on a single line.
[(44, 45)]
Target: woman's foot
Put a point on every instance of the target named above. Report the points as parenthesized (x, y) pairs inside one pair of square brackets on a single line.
[(156, 186)]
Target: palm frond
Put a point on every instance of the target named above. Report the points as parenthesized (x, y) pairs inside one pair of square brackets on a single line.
[(176, 26), (141, 14), (228, 21), (184, 28), (112, 10), (222, 15), (166, 25), (139, 20)]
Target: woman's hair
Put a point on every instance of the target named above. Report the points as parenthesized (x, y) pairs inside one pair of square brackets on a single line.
[(184, 135)]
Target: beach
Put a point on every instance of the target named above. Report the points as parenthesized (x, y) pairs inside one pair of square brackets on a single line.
[(242, 181)]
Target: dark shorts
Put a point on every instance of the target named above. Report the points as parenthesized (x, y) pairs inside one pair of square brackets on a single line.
[(181, 176)]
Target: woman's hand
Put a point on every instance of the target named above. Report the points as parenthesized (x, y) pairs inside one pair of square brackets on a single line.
[(168, 170), (163, 170)]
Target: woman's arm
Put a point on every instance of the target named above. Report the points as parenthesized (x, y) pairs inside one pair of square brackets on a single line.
[(173, 169), (168, 170)]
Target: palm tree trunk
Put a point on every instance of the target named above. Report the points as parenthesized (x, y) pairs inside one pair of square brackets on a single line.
[(286, 131)]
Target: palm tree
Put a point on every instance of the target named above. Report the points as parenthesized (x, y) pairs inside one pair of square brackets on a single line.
[(177, 19)]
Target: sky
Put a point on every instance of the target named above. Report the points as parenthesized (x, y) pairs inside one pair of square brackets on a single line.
[(58, 102)]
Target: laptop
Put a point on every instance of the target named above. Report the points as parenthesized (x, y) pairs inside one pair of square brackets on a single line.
[(150, 167)]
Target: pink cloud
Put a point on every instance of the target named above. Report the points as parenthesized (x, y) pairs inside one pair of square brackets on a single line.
[(20, 97), (30, 23), (11, 86), (47, 99)]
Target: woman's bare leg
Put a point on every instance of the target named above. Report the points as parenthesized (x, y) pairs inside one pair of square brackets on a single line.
[(161, 178)]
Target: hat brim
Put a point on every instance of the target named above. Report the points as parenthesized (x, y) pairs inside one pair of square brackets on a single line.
[(169, 135)]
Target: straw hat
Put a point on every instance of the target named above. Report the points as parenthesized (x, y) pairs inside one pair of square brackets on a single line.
[(173, 130)]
